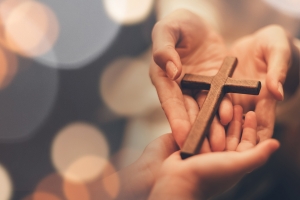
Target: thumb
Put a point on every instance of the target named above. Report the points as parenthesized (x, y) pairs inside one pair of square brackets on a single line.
[(257, 156), (165, 36), (277, 55)]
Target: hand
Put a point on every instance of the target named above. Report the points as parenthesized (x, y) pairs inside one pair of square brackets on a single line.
[(184, 43), (264, 56), (205, 175)]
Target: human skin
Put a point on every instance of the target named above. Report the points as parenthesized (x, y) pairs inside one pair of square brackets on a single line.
[(160, 173), (184, 43)]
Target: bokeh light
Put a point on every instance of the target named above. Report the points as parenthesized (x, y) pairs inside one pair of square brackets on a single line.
[(112, 185), (27, 101), (30, 28), (85, 33), (5, 184), (107, 185), (139, 132), (79, 152), (75, 191), (206, 9), (126, 88), (128, 11), (85, 168), (8, 67), (51, 184), (42, 196), (289, 7)]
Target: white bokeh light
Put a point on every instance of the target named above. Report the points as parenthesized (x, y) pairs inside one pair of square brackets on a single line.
[(289, 7), (8, 67), (126, 88), (85, 33), (128, 11), (29, 28), (27, 101), (79, 152), (5, 184)]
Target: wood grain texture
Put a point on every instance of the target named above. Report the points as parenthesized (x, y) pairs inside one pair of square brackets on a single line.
[(218, 86)]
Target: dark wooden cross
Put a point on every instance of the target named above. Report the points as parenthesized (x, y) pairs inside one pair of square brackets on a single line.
[(218, 86)]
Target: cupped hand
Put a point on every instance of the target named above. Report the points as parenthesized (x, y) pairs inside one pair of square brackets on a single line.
[(205, 175), (264, 56), (184, 43)]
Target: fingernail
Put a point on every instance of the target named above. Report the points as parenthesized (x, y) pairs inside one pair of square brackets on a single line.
[(280, 90), (171, 70)]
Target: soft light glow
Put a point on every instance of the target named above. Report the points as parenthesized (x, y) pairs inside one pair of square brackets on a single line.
[(76, 191), (108, 181), (85, 168), (126, 88), (128, 11), (51, 184), (289, 7), (8, 67), (27, 101), (140, 131), (85, 33), (29, 28), (203, 8), (79, 152), (42, 196), (5, 184), (112, 185)]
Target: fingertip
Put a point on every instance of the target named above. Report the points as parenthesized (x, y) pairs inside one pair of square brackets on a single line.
[(172, 70), (237, 112), (269, 146), (226, 111), (274, 144), (280, 90), (275, 87), (250, 120), (217, 137)]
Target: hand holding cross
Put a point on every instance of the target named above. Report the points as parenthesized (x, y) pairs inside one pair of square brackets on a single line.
[(218, 86)]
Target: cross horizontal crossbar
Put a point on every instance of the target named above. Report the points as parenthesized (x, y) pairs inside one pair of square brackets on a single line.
[(218, 86)]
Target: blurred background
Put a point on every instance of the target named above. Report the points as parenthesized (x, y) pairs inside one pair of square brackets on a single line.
[(76, 97)]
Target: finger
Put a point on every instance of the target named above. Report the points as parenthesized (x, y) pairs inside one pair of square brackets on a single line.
[(165, 36), (257, 156), (191, 107), (234, 129), (226, 110), (205, 148), (233, 164), (172, 102), (265, 115), (217, 138), (277, 55), (216, 135), (249, 135)]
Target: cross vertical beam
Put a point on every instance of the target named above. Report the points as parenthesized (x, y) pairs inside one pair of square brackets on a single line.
[(218, 86)]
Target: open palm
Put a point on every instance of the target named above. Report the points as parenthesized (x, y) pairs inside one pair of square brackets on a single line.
[(183, 43), (263, 56)]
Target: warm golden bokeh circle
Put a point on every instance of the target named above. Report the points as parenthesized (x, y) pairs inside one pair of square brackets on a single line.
[(79, 152), (6, 186), (128, 11), (28, 27)]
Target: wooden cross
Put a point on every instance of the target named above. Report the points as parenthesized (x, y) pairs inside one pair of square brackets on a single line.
[(218, 86)]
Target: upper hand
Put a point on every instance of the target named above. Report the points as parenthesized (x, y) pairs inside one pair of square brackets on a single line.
[(264, 56), (205, 175), (184, 43)]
